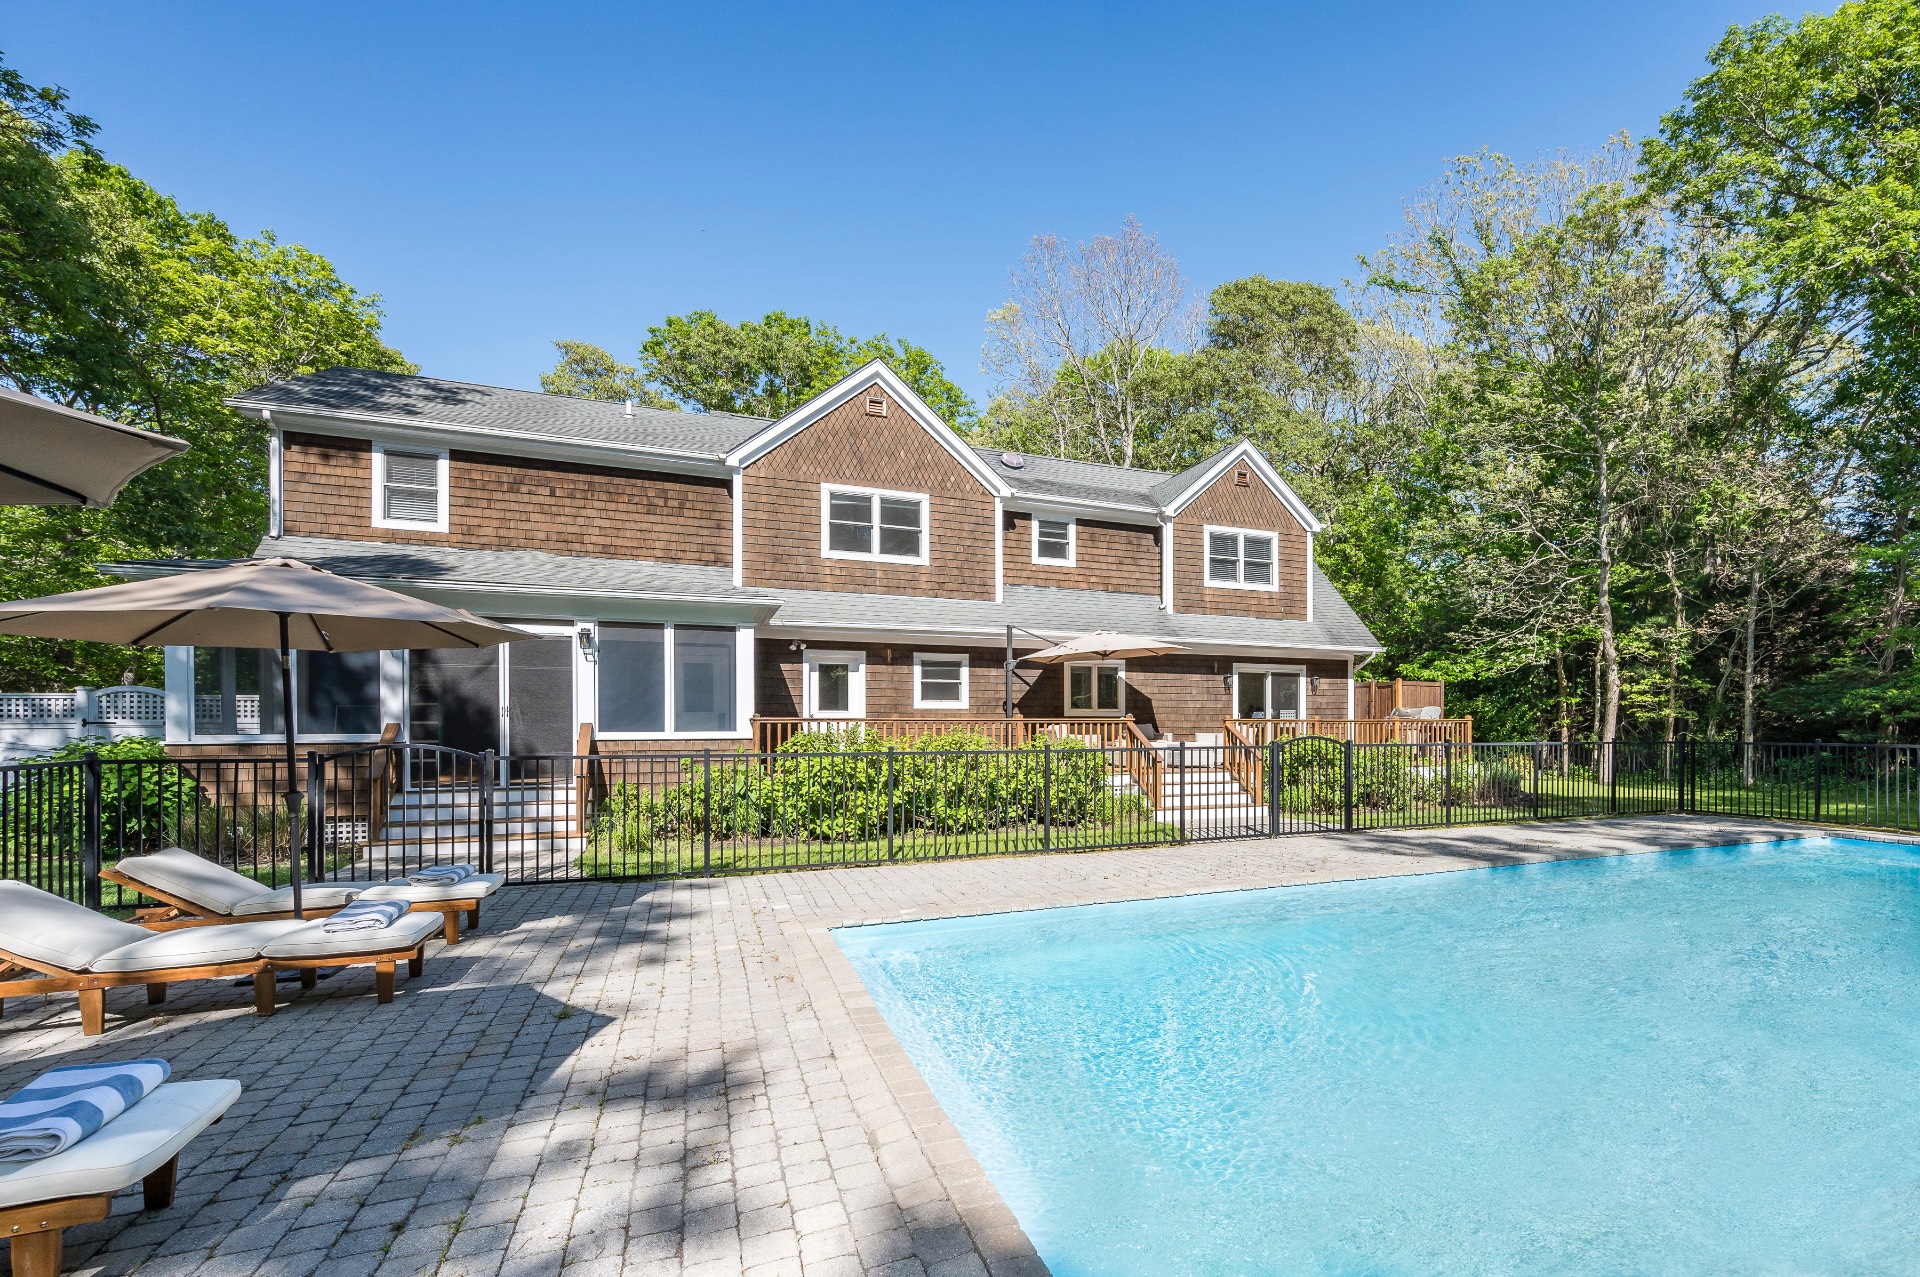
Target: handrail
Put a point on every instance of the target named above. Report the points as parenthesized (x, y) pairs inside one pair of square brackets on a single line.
[(1144, 766), (383, 780), (589, 779), (1242, 757)]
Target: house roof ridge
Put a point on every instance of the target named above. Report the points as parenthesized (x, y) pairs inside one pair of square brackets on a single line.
[(1071, 461), (492, 387)]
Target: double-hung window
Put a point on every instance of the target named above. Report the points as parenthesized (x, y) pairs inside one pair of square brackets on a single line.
[(1053, 541), (1239, 559), (1096, 687), (939, 680), (409, 489), (870, 523)]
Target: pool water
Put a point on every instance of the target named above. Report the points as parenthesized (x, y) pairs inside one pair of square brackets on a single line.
[(1674, 1063)]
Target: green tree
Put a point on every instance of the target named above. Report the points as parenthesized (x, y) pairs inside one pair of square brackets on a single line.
[(586, 371)]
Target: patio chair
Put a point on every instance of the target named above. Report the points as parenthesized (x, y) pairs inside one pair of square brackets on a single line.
[(50, 945), (40, 1199), (196, 892)]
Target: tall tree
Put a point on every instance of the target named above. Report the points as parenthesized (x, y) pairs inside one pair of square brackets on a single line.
[(586, 371)]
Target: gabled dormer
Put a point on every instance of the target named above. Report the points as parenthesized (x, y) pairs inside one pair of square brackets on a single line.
[(1241, 540)]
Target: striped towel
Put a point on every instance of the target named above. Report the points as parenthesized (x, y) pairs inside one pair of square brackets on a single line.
[(366, 915), (441, 875), (63, 1106)]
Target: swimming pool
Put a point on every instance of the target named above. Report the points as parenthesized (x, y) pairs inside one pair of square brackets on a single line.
[(1681, 1062)]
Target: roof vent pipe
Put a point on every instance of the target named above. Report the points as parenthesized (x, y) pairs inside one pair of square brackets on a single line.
[(629, 405)]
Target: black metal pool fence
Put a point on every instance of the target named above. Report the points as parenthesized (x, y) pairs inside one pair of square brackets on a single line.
[(378, 811)]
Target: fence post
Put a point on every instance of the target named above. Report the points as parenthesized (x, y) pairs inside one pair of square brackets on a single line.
[(487, 763), (706, 813), (1346, 786), (316, 817), (90, 847), (1181, 762), (890, 801), (1816, 780), (1046, 795), (1273, 787), (1446, 753)]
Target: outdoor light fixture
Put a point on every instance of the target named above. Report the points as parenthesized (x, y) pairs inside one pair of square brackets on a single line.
[(585, 635), (1313, 682)]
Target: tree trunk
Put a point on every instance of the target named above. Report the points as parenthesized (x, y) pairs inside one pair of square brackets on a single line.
[(1897, 603), (1746, 682), (1609, 653), (1563, 707)]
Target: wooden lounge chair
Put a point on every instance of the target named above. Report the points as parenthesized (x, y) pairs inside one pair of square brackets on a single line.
[(39, 1199), (196, 892), (50, 945)]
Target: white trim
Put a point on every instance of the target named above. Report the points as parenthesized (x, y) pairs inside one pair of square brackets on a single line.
[(179, 680), (1166, 565), (1207, 532), (966, 691), (1073, 539), (739, 529), (1066, 690), (1254, 667), (743, 684), (1349, 689), (856, 663), (999, 550), (858, 382), (1246, 452), (874, 495), (1309, 580), (442, 472), (276, 480)]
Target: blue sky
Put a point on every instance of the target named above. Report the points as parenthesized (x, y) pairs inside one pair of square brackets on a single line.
[(504, 175)]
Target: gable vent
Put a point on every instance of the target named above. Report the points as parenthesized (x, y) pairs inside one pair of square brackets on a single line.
[(876, 406), (1243, 478)]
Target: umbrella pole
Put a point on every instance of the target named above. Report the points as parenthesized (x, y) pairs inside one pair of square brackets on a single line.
[(293, 785)]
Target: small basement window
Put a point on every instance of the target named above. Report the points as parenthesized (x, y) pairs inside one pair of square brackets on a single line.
[(871, 523), (1053, 541), (409, 489), (1241, 560)]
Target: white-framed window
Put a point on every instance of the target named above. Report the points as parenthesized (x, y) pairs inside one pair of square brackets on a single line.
[(939, 680), (1241, 559), (409, 488), (667, 680), (836, 684), (873, 523), (236, 693), (1096, 688), (1054, 540), (1269, 691)]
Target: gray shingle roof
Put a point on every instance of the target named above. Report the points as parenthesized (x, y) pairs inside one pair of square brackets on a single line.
[(1044, 477), (429, 401), (1045, 609)]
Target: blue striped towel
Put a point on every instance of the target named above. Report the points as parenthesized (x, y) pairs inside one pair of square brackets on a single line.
[(441, 875), (366, 915), (63, 1106)]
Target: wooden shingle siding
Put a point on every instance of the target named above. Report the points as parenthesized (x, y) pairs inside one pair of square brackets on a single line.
[(889, 679), (518, 503), (1256, 508), (847, 446), (1122, 557)]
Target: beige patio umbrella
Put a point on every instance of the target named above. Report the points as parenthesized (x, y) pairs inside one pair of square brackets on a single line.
[(260, 603), (1103, 645), (54, 455)]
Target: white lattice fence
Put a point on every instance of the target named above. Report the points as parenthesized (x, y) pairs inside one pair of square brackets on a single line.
[(37, 722)]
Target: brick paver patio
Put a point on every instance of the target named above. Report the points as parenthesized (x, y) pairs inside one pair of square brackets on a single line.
[(659, 1078)]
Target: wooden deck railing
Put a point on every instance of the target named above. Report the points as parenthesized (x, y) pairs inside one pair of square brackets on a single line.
[(386, 776), (1006, 733), (1246, 766), (589, 780), (1361, 731)]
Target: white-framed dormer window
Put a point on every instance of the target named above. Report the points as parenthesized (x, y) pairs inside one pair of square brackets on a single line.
[(1053, 540), (1241, 559), (939, 680), (409, 488), (1096, 688), (836, 684), (873, 523)]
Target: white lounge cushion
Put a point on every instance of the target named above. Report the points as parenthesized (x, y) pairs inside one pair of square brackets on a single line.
[(313, 895), (124, 1151), (192, 878), (474, 888), (312, 939), (195, 946), (42, 927)]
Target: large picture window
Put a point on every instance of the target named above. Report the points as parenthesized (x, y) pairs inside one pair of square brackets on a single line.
[(1096, 687), (236, 692), (636, 695), (870, 523), (1239, 559)]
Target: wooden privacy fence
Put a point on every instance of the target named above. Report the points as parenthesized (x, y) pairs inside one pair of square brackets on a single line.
[(1378, 700)]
